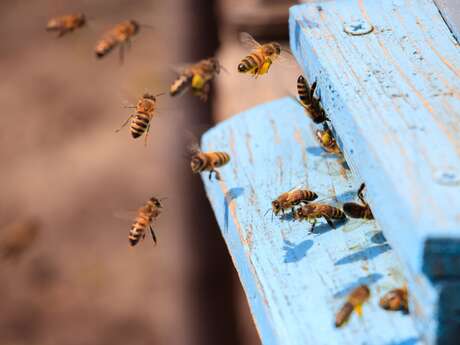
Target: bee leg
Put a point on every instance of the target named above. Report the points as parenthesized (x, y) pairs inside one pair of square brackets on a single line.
[(146, 134), (62, 32), (360, 193), (122, 53), (331, 224), (124, 124), (217, 175), (153, 235), (313, 225), (205, 92)]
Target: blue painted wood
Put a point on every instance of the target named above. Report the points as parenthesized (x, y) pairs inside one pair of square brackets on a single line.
[(296, 281), (450, 11), (394, 99)]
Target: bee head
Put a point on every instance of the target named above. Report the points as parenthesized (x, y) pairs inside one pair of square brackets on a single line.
[(149, 96), (215, 65), (81, 19), (196, 163), (135, 25), (156, 202), (277, 47), (276, 207)]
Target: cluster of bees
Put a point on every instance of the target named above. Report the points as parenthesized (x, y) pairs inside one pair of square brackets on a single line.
[(197, 78)]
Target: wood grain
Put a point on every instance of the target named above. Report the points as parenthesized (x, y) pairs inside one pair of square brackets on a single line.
[(394, 99), (294, 280)]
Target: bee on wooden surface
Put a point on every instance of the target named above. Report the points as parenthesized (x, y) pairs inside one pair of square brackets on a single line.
[(292, 198), (198, 77), (208, 161), (354, 302), (326, 139), (260, 59), (140, 122), (119, 35), (355, 210), (313, 211), (18, 238), (67, 23), (308, 100), (145, 215), (396, 299)]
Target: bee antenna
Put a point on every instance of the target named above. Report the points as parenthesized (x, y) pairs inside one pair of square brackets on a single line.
[(265, 214), (159, 94), (223, 68)]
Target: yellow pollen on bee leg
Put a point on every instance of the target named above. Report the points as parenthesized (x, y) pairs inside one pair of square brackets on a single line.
[(265, 67), (359, 310), (197, 82)]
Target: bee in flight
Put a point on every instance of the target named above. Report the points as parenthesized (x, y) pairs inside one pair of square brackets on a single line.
[(355, 210), (18, 238), (354, 302), (292, 198), (198, 77), (326, 139), (121, 34), (145, 215), (67, 23), (140, 122), (308, 100), (208, 161), (396, 299), (313, 211), (260, 59)]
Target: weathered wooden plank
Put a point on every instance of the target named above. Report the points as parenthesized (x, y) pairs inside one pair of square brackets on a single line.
[(393, 96), (450, 11), (295, 281)]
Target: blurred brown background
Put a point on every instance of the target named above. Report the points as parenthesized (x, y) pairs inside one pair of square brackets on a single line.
[(62, 164)]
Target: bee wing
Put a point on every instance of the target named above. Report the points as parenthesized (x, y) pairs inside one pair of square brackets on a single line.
[(248, 41)]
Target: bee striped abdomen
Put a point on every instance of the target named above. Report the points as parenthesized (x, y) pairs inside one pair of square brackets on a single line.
[(222, 158), (105, 46), (180, 84), (337, 213), (302, 90), (138, 229), (139, 124), (250, 62)]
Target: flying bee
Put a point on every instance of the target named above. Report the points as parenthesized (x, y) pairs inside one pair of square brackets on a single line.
[(208, 161), (292, 198), (140, 122), (308, 100), (262, 56), (18, 238), (354, 302), (326, 139), (119, 35), (198, 77), (355, 210), (396, 299), (67, 23), (145, 215), (313, 211)]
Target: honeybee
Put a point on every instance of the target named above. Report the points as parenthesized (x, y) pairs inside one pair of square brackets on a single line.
[(354, 302), (66, 23), (18, 238), (308, 100), (145, 109), (119, 35), (208, 161), (313, 211), (145, 215), (326, 139), (355, 210), (260, 59), (396, 299), (292, 198), (198, 77)]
